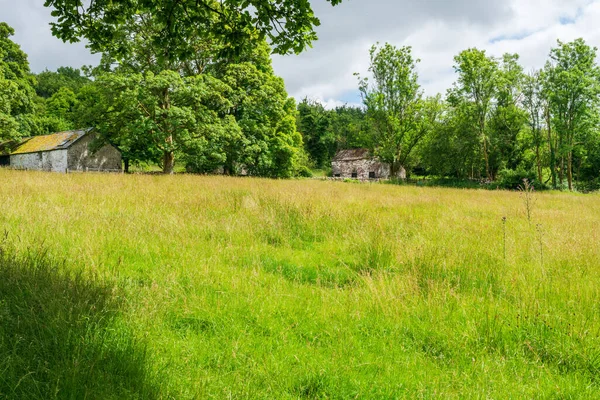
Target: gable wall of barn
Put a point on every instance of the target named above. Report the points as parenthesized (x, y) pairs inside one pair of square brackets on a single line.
[(81, 158)]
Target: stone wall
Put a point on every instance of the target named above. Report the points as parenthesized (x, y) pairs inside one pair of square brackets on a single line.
[(26, 161), (55, 161), (362, 169), (80, 158)]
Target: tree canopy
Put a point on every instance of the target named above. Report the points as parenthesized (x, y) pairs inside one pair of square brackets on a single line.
[(17, 94), (288, 24), (394, 105)]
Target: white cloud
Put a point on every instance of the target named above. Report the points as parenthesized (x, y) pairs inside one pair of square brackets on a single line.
[(31, 20), (437, 31)]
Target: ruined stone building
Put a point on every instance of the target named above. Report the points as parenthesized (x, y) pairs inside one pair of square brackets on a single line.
[(360, 164), (63, 152)]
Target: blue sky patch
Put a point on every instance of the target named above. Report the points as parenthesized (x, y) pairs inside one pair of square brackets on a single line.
[(515, 36), (352, 97)]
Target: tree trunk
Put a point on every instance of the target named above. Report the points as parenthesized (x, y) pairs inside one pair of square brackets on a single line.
[(487, 160), (561, 172), (168, 157), (570, 170), (552, 149), (168, 162), (484, 146), (538, 161), (126, 163)]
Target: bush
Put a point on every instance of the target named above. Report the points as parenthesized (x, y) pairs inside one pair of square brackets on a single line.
[(304, 172), (512, 179), (588, 186)]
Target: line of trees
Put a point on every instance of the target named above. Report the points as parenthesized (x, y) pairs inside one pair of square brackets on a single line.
[(208, 110), (496, 123), (186, 80)]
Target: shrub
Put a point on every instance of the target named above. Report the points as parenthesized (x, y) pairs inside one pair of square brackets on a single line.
[(304, 172), (512, 179)]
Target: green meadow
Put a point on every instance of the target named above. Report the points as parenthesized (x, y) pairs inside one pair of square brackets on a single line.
[(191, 287)]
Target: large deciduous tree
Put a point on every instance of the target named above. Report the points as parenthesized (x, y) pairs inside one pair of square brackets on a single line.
[(267, 119), (533, 101), (164, 113), (50, 82), (16, 88), (288, 24), (507, 117), (393, 102), (265, 141), (573, 89), (476, 86)]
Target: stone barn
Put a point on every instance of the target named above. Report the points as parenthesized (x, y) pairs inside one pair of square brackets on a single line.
[(360, 164), (65, 152)]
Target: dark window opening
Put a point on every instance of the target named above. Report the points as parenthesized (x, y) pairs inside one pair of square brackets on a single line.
[(338, 175), (354, 175), (371, 175), (4, 160)]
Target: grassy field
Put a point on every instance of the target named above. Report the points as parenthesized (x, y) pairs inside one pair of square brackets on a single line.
[(115, 286)]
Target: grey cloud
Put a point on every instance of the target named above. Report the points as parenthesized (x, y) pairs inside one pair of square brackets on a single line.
[(32, 32), (348, 30)]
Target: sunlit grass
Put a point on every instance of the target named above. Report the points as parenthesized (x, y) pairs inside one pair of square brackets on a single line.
[(250, 288)]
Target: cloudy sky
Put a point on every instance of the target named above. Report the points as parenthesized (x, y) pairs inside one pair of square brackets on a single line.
[(436, 29)]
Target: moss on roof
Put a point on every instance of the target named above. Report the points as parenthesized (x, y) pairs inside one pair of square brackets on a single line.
[(56, 141)]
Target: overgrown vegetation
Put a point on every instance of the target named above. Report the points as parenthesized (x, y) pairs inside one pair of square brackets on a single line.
[(216, 287)]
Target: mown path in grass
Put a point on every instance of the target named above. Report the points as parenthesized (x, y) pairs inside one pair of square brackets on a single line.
[(250, 288)]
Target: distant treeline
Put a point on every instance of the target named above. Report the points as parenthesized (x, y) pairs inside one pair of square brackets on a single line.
[(224, 110), (497, 123)]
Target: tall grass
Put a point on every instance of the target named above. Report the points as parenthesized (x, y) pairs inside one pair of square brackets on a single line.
[(249, 288), (60, 336)]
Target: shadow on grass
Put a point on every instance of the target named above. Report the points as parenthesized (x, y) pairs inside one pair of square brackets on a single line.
[(60, 336)]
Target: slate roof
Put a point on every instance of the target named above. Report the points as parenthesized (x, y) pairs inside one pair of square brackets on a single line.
[(352, 155), (56, 141)]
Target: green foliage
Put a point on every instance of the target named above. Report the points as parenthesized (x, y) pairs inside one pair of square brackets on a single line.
[(49, 82), (266, 118), (16, 88), (513, 179), (148, 115), (572, 86), (394, 105), (325, 131), (315, 124), (351, 128), (534, 105), (508, 117), (304, 172), (62, 103), (57, 101), (474, 92), (503, 125), (289, 24)]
